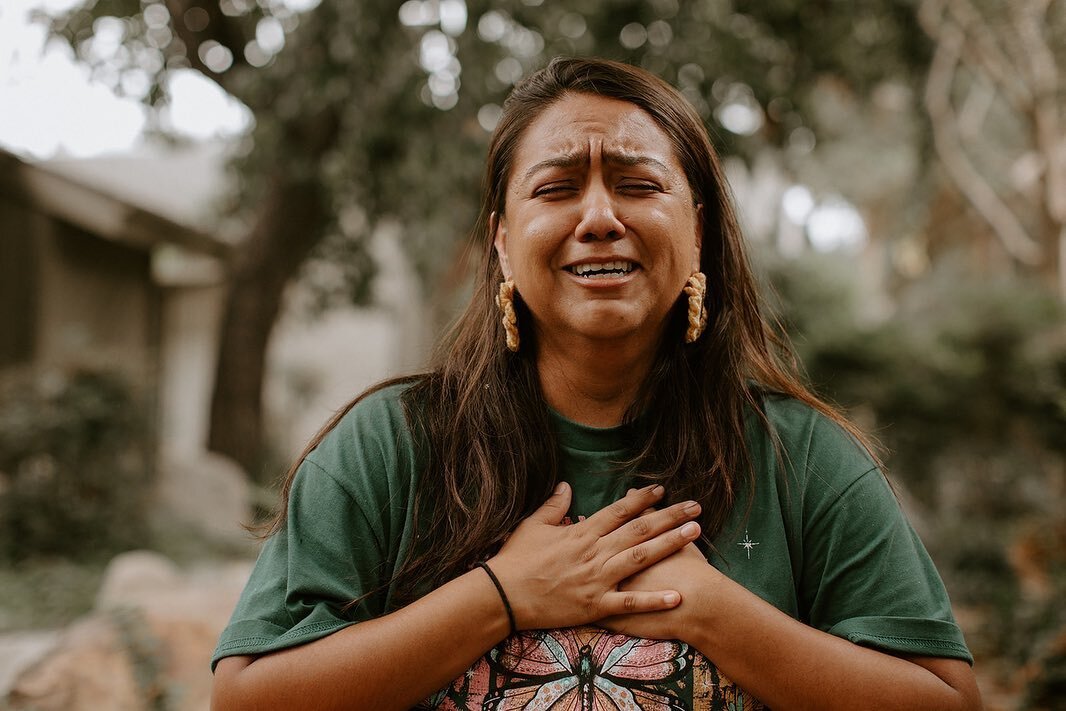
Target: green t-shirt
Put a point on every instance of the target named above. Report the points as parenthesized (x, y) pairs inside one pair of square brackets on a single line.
[(824, 541)]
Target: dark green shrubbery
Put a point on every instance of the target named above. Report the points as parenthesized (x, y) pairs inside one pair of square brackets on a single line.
[(75, 470), (964, 383), (981, 366)]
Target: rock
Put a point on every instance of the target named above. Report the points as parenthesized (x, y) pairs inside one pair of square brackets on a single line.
[(132, 578), (147, 644), (89, 669), (21, 650), (207, 493)]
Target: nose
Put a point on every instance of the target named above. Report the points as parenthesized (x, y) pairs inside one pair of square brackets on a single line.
[(599, 220)]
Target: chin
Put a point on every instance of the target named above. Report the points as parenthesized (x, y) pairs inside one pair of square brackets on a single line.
[(608, 323), (610, 327)]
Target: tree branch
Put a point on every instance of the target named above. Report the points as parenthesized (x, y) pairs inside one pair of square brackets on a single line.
[(1017, 242), (986, 52), (1050, 141), (225, 30)]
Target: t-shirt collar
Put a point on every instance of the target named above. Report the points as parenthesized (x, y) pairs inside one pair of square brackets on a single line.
[(574, 435)]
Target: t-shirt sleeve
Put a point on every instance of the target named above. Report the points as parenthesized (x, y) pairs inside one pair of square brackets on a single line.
[(866, 576), (307, 574), (343, 501)]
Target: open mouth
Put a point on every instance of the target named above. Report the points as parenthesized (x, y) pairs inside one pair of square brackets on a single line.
[(605, 270)]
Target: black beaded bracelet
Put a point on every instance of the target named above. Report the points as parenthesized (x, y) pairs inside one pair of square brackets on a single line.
[(503, 596)]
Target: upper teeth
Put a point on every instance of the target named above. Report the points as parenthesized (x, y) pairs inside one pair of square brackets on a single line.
[(604, 267)]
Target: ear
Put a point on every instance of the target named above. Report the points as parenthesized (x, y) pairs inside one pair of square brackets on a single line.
[(499, 240), (699, 238)]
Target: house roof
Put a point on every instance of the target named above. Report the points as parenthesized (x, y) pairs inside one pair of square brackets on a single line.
[(75, 196)]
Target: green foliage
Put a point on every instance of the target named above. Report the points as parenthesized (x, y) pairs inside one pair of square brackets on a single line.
[(978, 366), (46, 593), (74, 467), (398, 156)]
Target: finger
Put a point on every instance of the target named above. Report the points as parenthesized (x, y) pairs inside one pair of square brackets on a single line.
[(631, 561), (649, 525), (554, 509), (632, 601), (614, 515), (646, 511)]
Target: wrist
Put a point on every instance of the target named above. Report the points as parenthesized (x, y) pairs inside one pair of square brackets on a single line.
[(502, 593), (485, 607), (521, 591), (702, 606)]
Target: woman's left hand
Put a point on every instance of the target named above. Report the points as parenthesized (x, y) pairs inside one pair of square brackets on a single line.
[(686, 571)]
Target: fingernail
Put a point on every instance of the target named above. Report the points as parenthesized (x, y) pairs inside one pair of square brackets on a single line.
[(671, 598), (691, 507), (658, 490), (690, 530), (560, 487)]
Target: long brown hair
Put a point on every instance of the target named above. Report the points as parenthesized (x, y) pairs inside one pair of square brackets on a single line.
[(490, 455)]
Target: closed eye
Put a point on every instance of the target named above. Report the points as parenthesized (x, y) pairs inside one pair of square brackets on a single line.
[(639, 188), (554, 190)]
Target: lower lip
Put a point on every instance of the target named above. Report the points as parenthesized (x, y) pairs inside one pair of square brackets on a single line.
[(603, 282)]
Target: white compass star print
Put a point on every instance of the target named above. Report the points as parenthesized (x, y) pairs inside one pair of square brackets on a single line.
[(747, 544)]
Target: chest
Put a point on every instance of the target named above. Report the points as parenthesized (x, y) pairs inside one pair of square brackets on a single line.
[(590, 668)]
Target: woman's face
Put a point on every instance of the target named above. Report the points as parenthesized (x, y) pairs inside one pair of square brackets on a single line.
[(599, 230)]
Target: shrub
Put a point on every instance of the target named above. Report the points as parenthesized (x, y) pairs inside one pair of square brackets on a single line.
[(75, 469)]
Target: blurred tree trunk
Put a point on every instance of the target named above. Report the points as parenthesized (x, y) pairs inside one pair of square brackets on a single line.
[(306, 121), (288, 228), (295, 208)]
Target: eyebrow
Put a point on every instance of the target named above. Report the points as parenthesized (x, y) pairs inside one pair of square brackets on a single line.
[(573, 160)]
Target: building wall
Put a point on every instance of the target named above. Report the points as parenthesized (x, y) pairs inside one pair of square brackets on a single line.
[(69, 296), (96, 301), (191, 319), (18, 281)]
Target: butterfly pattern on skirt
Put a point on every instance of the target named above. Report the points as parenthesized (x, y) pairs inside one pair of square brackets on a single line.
[(589, 668)]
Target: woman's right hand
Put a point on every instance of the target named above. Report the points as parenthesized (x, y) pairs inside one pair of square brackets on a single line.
[(559, 575)]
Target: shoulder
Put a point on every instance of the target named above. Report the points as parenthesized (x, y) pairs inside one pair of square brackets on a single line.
[(811, 448), (381, 409), (372, 441)]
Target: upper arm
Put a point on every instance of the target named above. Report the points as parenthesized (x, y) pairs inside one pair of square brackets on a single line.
[(227, 667), (330, 551), (955, 673), (865, 575), (224, 687)]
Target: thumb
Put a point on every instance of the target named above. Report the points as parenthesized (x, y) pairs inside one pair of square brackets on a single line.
[(554, 509)]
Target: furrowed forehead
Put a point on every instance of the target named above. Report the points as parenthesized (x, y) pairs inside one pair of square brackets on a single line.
[(578, 127), (582, 157)]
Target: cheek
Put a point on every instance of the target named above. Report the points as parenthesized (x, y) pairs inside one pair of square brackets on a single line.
[(527, 266), (550, 223), (687, 248), (538, 244)]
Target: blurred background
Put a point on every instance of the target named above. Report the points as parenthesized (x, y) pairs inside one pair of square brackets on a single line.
[(221, 220)]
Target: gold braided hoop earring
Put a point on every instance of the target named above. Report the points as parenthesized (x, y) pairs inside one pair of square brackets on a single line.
[(696, 288), (505, 300)]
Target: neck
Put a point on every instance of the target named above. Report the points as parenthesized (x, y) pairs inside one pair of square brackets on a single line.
[(593, 382)]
